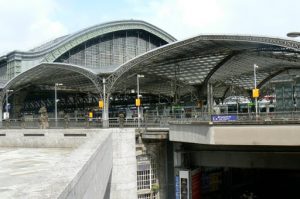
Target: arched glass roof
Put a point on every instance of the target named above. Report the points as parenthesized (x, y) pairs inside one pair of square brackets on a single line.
[(223, 60), (47, 74)]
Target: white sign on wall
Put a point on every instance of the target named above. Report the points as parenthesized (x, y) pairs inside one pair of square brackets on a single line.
[(6, 115)]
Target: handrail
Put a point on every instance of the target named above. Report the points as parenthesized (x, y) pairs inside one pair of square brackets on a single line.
[(150, 120)]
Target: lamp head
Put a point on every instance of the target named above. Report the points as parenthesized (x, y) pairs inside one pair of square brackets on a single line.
[(293, 34)]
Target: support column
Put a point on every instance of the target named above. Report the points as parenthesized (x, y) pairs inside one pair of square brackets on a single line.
[(1, 113), (1, 107), (105, 116), (210, 100)]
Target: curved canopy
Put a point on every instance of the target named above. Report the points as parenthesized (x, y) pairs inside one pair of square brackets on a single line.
[(223, 60), (47, 74)]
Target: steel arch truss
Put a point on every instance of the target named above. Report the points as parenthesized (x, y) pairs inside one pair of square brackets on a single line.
[(92, 32)]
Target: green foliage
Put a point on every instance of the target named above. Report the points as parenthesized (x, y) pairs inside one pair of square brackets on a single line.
[(155, 187)]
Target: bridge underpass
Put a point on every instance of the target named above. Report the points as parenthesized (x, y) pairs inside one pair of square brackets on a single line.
[(231, 171), (230, 160)]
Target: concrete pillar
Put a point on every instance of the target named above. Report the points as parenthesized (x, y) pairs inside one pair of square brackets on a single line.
[(124, 172), (170, 171)]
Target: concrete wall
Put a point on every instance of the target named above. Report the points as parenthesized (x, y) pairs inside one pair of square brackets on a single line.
[(275, 135), (272, 135), (123, 183), (36, 138), (192, 133), (92, 179)]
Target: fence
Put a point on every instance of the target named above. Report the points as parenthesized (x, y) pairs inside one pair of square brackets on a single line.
[(148, 121)]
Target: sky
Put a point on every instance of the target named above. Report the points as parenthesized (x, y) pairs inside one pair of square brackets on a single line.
[(26, 24)]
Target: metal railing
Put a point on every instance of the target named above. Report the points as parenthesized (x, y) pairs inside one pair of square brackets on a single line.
[(149, 121), (70, 123)]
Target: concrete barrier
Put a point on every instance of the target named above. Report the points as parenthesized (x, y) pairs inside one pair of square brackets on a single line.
[(124, 176), (45, 138), (83, 174)]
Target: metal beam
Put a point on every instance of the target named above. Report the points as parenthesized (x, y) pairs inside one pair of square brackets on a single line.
[(268, 78), (219, 65)]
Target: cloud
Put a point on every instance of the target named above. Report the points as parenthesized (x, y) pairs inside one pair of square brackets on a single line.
[(186, 18), (29, 23), (182, 18)]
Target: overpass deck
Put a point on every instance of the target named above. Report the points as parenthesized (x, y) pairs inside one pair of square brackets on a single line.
[(269, 133)]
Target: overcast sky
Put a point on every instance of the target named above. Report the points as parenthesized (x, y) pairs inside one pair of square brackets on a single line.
[(28, 23)]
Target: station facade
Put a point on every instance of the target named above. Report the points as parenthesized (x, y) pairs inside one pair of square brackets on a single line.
[(120, 61)]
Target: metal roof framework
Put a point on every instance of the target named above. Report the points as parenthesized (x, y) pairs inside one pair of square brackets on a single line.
[(222, 60), (72, 77), (51, 50), (181, 68)]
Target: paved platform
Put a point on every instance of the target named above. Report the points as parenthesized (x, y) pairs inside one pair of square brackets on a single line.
[(23, 170), (49, 164)]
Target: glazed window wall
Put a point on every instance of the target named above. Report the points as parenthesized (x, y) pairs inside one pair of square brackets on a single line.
[(3, 71), (111, 50)]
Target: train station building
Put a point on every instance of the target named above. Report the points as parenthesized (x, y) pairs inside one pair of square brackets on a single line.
[(203, 70), (137, 70)]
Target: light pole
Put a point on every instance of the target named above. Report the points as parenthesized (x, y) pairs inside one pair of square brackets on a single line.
[(138, 97), (105, 122), (255, 85), (6, 102), (55, 100)]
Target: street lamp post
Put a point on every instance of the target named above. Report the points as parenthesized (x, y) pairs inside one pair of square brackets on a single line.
[(255, 85), (6, 102), (105, 121), (138, 97), (55, 100)]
